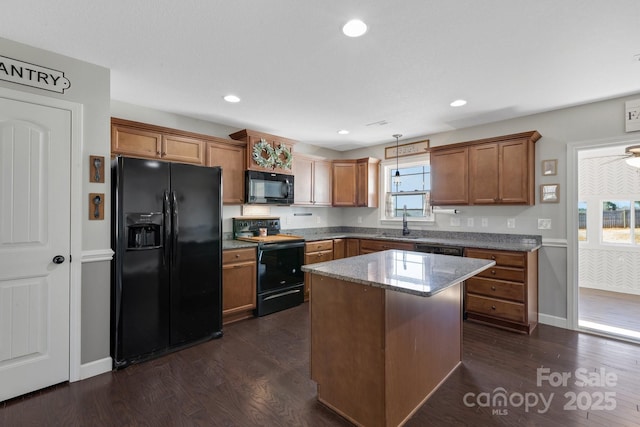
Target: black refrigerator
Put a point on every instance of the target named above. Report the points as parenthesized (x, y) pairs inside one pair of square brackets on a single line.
[(166, 271)]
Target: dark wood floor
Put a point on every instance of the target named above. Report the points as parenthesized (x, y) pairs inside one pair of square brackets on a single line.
[(610, 308), (258, 375)]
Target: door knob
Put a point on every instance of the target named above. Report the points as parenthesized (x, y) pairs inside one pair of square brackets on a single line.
[(58, 259)]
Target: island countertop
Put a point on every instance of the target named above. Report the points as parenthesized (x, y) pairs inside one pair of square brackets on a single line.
[(410, 272)]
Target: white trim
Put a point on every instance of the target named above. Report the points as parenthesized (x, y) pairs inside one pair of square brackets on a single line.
[(554, 243), (97, 255), (75, 274), (572, 227), (547, 319), (96, 367)]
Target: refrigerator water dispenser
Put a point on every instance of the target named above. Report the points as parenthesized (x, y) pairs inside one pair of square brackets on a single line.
[(144, 230)]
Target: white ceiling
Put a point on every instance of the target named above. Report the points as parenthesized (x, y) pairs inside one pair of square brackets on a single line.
[(298, 76)]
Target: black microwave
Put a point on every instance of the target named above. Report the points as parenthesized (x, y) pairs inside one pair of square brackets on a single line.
[(268, 188)]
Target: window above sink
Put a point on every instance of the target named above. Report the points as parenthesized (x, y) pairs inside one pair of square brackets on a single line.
[(413, 190)]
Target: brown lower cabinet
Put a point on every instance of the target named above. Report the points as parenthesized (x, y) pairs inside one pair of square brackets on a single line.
[(239, 288), (505, 295), (314, 252)]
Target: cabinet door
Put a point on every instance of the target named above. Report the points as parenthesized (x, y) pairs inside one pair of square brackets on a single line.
[(514, 173), (449, 177), (344, 184), (353, 247), (238, 287), (135, 142), (183, 149), (362, 184), (483, 174), (367, 183), (303, 182), (339, 248), (322, 183), (231, 158)]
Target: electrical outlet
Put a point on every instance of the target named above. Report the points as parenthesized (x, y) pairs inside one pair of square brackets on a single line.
[(511, 223), (455, 222), (359, 220), (485, 222), (469, 222), (544, 224), (318, 220)]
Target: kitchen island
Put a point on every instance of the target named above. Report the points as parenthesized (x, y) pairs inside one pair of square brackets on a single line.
[(386, 331)]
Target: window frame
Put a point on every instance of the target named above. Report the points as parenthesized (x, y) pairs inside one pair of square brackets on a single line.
[(386, 167)]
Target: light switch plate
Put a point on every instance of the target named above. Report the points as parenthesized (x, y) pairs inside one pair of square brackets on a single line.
[(511, 223), (544, 224), (485, 222), (455, 222), (469, 222)]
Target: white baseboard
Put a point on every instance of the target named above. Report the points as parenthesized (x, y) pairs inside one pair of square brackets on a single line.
[(547, 319), (97, 367)]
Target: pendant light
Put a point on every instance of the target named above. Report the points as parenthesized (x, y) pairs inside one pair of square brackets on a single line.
[(396, 178)]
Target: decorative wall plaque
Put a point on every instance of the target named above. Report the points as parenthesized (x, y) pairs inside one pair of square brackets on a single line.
[(96, 169), (632, 115), (96, 206), (410, 149), (24, 73)]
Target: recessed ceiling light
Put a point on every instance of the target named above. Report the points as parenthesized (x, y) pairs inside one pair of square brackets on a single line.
[(231, 98), (458, 103), (343, 132), (354, 28)]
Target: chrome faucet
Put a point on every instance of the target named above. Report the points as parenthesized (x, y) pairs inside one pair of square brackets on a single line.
[(405, 223)]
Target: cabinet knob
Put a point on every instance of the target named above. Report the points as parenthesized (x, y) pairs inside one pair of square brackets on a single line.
[(493, 288), (493, 257), (493, 272), (237, 255), (493, 307)]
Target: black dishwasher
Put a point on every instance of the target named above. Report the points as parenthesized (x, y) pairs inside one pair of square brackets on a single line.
[(438, 249)]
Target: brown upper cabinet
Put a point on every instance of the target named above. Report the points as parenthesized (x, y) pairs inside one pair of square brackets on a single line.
[(312, 180), (355, 182), (232, 158), (130, 140), (275, 154), (134, 139), (497, 170)]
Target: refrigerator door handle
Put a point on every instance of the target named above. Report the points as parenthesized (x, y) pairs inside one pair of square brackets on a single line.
[(175, 226), (166, 229)]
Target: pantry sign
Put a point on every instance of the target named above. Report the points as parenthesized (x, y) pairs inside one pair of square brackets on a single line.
[(24, 73)]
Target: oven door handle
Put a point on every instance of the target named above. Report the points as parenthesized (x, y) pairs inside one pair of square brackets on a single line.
[(281, 294)]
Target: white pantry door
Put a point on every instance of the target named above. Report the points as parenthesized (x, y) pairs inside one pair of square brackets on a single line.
[(35, 151)]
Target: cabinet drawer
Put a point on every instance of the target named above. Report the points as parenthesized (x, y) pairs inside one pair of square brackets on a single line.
[(321, 256), (321, 245), (495, 288), (502, 258), (496, 308), (367, 246), (238, 255), (503, 273)]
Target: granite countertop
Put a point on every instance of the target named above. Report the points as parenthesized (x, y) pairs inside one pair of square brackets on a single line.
[(402, 271), (237, 244), (465, 240), (505, 242)]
